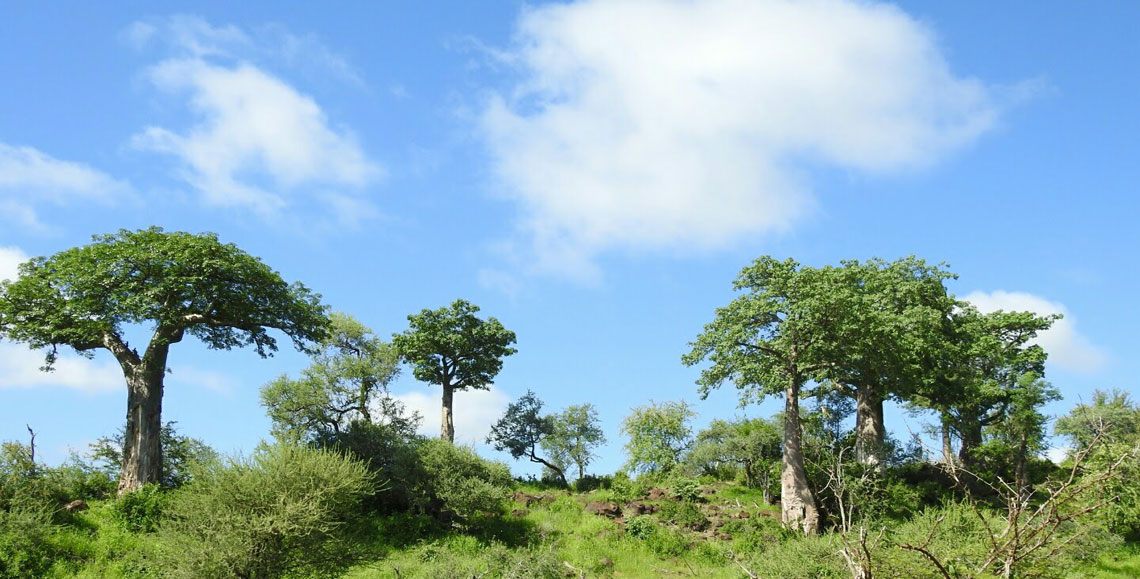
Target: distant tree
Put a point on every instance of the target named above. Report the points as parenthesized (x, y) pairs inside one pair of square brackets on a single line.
[(453, 348), (772, 340), (346, 381), (1112, 416), (522, 429), (975, 370), (751, 445), (577, 432), (87, 297), (180, 455), (659, 434)]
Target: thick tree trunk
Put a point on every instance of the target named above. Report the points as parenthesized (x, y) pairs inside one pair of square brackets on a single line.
[(142, 442), (971, 437), (798, 507), (870, 433), (447, 426)]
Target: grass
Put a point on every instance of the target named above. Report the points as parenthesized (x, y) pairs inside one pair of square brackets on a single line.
[(1122, 563)]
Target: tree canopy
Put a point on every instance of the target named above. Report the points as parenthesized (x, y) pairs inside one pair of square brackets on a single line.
[(178, 283)]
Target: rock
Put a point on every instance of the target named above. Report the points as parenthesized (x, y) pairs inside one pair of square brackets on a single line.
[(743, 515), (655, 494), (525, 499), (722, 536), (611, 510), (75, 506), (606, 563), (639, 508), (519, 513)]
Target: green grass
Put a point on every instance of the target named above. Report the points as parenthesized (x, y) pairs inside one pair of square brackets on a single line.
[(1122, 563)]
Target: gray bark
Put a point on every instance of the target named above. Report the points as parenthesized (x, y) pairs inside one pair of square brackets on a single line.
[(797, 505), (870, 433), (447, 426)]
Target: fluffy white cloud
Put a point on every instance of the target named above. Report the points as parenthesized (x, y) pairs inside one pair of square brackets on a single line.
[(20, 368), (29, 178), (475, 412), (257, 142), (1067, 347), (10, 260), (644, 124)]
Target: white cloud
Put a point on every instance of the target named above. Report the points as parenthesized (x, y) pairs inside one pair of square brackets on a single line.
[(10, 260), (20, 368), (687, 125), (253, 127), (1067, 347), (257, 142), (475, 412), (30, 178)]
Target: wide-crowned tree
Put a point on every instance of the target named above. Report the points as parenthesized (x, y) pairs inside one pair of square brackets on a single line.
[(170, 284), (452, 347), (895, 315), (770, 341)]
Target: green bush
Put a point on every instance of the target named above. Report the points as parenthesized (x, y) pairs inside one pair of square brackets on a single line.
[(640, 527), (590, 482), (283, 509), (684, 514), (390, 455), (460, 482), (139, 511), (687, 489), (27, 548)]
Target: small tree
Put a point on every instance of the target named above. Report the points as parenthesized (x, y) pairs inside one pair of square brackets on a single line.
[(180, 454), (658, 435), (522, 429), (87, 297), (577, 432), (348, 380), (455, 349)]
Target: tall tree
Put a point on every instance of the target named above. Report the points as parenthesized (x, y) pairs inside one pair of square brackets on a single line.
[(577, 432), (895, 317), (771, 341), (452, 347), (522, 429), (347, 380), (178, 284)]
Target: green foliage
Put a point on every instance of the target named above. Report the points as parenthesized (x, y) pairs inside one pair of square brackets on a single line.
[(181, 455), (459, 481), (521, 429), (640, 527), (284, 509), (587, 483), (390, 455), (745, 448), (659, 434), (27, 546), (684, 514), (687, 490), (576, 433), (178, 281), (140, 511), (451, 346), (347, 378)]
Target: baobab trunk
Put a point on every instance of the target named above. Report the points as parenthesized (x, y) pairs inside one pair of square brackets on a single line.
[(447, 427), (797, 504), (142, 441), (870, 434)]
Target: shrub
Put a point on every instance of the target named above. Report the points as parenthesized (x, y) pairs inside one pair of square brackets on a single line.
[(26, 546), (139, 511), (590, 482), (687, 490), (390, 455), (281, 509), (684, 514), (640, 527), (460, 482)]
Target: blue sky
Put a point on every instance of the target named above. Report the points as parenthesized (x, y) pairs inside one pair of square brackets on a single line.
[(593, 174)]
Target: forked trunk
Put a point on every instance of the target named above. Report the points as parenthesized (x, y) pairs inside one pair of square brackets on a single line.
[(142, 441), (798, 508), (870, 434), (447, 426)]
